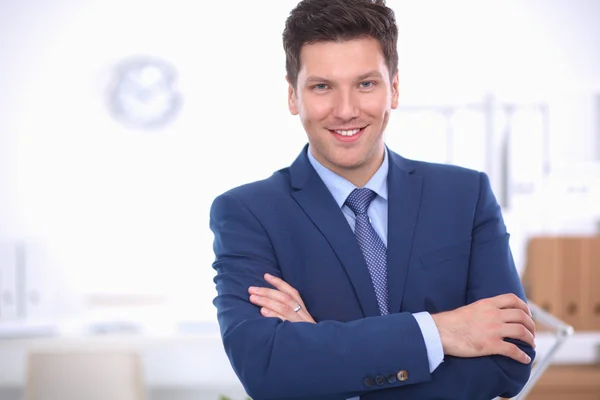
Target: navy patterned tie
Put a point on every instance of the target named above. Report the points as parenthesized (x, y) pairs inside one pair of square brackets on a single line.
[(371, 245)]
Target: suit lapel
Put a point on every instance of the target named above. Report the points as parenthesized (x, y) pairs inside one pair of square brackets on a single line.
[(404, 195), (319, 205)]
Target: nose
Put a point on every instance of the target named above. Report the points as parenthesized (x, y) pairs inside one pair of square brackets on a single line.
[(346, 106)]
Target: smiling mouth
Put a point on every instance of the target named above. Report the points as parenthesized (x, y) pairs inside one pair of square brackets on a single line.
[(347, 132)]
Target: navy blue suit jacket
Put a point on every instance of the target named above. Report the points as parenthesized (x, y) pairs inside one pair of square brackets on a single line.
[(447, 247)]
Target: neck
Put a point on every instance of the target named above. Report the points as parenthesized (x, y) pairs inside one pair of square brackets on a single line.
[(362, 174)]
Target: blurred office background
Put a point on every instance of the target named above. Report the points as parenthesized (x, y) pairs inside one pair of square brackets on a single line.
[(120, 121)]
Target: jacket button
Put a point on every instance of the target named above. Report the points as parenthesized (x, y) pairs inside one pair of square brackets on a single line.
[(402, 375), (391, 378), (379, 380), (368, 382)]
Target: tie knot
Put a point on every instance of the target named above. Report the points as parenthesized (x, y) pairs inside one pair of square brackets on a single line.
[(359, 200)]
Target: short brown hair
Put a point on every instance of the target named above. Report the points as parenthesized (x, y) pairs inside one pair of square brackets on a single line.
[(314, 21)]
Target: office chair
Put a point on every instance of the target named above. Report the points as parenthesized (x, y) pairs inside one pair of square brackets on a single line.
[(84, 375)]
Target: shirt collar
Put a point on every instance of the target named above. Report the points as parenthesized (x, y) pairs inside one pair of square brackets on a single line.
[(341, 188)]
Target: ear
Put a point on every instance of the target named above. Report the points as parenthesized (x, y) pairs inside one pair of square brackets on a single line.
[(292, 97), (395, 92)]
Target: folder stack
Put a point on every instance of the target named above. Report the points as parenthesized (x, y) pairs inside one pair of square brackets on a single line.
[(562, 276)]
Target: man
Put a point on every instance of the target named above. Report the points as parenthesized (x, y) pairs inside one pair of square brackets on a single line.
[(356, 272)]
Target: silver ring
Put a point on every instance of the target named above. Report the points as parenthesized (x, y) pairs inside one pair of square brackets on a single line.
[(298, 308)]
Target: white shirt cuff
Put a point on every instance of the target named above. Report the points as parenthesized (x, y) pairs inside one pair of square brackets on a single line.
[(433, 342)]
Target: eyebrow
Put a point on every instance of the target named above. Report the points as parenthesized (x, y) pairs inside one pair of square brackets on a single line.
[(362, 77), (370, 74), (315, 79)]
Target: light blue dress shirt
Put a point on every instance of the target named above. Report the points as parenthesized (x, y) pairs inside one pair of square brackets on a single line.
[(340, 188)]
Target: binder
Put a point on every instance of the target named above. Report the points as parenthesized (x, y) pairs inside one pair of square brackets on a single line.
[(593, 284), (542, 275), (40, 276), (570, 260), (9, 295)]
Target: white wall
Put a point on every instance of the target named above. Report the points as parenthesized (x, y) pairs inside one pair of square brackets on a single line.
[(126, 211)]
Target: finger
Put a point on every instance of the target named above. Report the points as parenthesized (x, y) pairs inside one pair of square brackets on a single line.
[(512, 351), (286, 299), (511, 300), (518, 332), (274, 294), (283, 286), (282, 309), (271, 314), (520, 317)]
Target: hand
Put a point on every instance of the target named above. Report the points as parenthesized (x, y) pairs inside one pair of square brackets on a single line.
[(479, 329), (280, 302)]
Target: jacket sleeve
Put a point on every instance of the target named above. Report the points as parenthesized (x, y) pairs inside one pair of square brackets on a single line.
[(491, 272), (279, 360)]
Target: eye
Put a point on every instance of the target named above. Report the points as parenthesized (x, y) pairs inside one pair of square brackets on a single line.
[(320, 86), (367, 84)]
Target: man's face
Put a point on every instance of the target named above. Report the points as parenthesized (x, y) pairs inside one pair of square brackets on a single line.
[(344, 98)]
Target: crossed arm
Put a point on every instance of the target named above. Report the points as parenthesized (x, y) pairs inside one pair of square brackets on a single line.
[(475, 330), (470, 335)]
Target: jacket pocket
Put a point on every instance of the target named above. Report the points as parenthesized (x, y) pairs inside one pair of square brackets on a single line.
[(446, 253)]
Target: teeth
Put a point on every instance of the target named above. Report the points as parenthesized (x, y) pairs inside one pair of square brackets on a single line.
[(348, 133)]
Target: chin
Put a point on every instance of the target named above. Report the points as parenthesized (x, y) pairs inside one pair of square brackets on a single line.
[(348, 162)]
